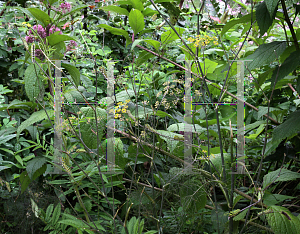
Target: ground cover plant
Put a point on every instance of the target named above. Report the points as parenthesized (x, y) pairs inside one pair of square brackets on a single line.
[(160, 116)]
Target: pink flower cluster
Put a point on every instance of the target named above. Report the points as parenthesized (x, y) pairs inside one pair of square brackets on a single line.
[(41, 32), (71, 45), (65, 7)]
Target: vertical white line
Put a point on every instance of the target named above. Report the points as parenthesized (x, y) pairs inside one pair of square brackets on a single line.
[(58, 118), (188, 118), (240, 116), (110, 153)]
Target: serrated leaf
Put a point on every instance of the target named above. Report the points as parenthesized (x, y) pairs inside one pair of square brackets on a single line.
[(116, 9), (273, 199), (143, 57), (35, 164), (282, 221), (73, 71), (265, 54), (279, 175), (6, 138), (182, 126), (136, 21), (271, 6), (288, 66), (35, 117), (34, 86), (264, 20)]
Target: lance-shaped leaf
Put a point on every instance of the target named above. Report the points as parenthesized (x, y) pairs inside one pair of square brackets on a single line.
[(73, 71), (264, 20), (34, 86), (271, 6), (116, 9)]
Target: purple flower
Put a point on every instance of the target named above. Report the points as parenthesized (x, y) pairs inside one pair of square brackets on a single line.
[(54, 29), (41, 31), (29, 39), (71, 45), (65, 7)]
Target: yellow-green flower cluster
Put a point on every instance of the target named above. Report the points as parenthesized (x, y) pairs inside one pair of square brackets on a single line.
[(203, 40), (205, 156), (27, 24), (119, 109)]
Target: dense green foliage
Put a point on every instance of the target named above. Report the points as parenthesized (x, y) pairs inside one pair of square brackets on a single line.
[(175, 167)]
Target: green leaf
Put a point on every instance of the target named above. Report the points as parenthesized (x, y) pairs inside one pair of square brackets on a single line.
[(88, 127), (56, 214), (48, 213), (288, 66), (35, 164), (231, 23), (143, 57), (171, 143), (282, 221), (170, 36), (181, 127), (35, 117), (136, 21), (149, 12), (73, 71), (265, 54), (39, 172), (192, 195), (273, 199), (115, 31), (74, 223), (40, 15), (264, 20), (208, 66), (24, 180), (34, 86), (116, 9), (279, 175), (271, 6), (288, 128), (125, 95), (54, 39), (137, 4), (19, 159)]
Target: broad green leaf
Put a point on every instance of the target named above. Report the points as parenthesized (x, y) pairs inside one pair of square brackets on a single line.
[(171, 143), (288, 128), (6, 138), (35, 164), (182, 126), (125, 95), (273, 199), (154, 43), (40, 15), (115, 31), (192, 196), (271, 6), (231, 23), (265, 54), (116, 9), (17, 104), (24, 180), (120, 160), (170, 36), (136, 21), (73, 71), (288, 66), (74, 223), (279, 175), (137, 4), (54, 39), (149, 12), (34, 86), (144, 56), (88, 126), (208, 66), (282, 221), (35, 117), (264, 20)]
